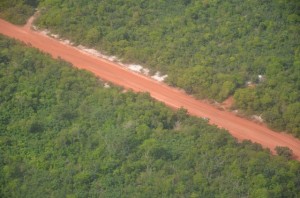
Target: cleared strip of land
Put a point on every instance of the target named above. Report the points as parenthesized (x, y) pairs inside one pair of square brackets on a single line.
[(239, 127)]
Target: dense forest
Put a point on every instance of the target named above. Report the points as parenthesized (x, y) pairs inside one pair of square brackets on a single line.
[(213, 49), (64, 134), (17, 11)]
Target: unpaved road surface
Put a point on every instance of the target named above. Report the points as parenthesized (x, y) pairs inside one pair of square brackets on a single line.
[(239, 127)]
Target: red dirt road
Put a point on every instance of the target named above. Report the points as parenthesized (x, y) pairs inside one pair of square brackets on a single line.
[(240, 128)]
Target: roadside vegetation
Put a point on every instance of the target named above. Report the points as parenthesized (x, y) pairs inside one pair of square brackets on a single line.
[(64, 134), (213, 49), (17, 11)]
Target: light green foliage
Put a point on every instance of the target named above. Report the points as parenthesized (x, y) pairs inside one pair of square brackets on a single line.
[(209, 48), (62, 134)]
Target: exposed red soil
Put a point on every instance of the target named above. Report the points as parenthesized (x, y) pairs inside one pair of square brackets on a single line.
[(239, 127), (227, 104)]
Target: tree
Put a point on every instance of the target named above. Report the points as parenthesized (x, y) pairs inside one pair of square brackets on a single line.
[(284, 152)]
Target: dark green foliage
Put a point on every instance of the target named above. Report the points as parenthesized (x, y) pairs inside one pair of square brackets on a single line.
[(209, 48), (62, 134), (284, 151), (17, 11)]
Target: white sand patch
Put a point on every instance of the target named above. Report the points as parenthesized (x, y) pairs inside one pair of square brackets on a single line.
[(112, 58), (89, 51), (133, 67), (235, 111), (257, 118), (106, 85), (66, 42), (157, 76), (45, 32), (138, 68), (94, 52), (55, 36), (146, 71)]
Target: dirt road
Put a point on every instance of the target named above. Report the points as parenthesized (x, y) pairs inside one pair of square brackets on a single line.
[(110, 71)]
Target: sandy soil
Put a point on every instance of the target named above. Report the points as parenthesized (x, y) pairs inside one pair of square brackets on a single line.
[(239, 127)]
